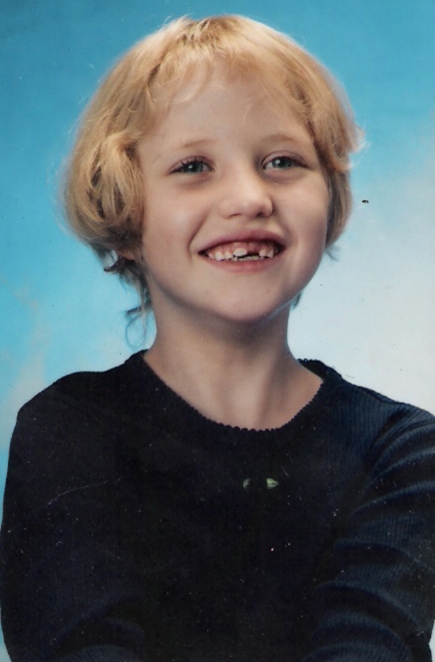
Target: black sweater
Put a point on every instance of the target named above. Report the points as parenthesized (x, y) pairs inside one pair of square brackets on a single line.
[(136, 529)]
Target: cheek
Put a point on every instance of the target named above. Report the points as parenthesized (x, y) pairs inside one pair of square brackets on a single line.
[(166, 236), (321, 209), (312, 209), (318, 234), (174, 223), (312, 227)]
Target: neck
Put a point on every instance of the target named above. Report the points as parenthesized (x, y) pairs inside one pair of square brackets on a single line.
[(239, 375)]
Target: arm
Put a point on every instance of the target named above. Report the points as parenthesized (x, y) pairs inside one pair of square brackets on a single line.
[(379, 600), (68, 589)]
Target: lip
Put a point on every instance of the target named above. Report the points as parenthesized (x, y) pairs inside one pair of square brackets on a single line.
[(244, 236)]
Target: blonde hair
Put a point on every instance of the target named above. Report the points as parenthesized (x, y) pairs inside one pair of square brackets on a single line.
[(104, 188)]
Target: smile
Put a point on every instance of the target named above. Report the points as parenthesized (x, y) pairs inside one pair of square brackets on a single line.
[(244, 251)]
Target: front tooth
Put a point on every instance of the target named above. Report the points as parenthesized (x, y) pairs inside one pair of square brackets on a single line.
[(267, 252), (227, 254), (240, 252)]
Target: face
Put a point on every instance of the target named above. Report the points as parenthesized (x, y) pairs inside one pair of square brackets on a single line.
[(236, 205)]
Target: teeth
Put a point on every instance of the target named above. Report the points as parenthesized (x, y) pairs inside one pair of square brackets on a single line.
[(253, 250), (245, 258), (267, 252)]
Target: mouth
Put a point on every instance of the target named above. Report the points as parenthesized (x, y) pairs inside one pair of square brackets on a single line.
[(243, 251)]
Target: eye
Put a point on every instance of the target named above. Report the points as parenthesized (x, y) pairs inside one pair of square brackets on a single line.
[(283, 163), (192, 166)]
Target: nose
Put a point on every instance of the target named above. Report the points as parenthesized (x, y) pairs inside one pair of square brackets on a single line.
[(246, 195)]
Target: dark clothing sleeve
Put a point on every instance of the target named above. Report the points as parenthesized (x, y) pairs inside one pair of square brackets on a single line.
[(70, 591), (378, 600)]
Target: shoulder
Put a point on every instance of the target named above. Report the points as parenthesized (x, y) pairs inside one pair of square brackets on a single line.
[(74, 430), (83, 403), (86, 391), (361, 399), (79, 416), (365, 417)]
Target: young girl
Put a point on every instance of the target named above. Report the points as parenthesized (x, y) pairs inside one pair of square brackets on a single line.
[(213, 498)]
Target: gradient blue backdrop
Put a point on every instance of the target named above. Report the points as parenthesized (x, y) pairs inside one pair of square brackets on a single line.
[(371, 314)]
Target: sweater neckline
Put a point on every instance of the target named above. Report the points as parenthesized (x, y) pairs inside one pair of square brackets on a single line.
[(178, 418)]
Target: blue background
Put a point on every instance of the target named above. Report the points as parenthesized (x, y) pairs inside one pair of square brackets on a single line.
[(371, 314)]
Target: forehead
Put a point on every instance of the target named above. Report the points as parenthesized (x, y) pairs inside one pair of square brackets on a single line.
[(200, 92)]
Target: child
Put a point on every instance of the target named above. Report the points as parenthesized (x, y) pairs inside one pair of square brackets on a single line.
[(214, 499)]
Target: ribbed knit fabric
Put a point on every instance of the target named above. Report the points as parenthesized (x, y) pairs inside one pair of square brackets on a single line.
[(136, 529)]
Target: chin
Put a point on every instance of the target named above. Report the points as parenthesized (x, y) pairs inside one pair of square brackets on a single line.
[(250, 318)]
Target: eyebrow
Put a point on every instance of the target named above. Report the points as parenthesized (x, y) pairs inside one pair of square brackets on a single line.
[(286, 137), (274, 137), (189, 144), (194, 143)]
